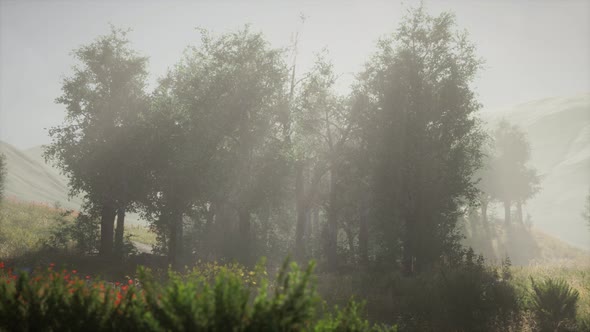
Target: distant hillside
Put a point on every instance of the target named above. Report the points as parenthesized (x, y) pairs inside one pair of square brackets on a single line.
[(29, 178), (522, 244), (559, 132)]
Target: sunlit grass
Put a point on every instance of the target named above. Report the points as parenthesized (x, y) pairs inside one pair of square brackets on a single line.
[(23, 226), (141, 234), (575, 273)]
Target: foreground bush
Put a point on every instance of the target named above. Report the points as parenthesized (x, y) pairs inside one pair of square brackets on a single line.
[(554, 305), (463, 295), (63, 301), (467, 296)]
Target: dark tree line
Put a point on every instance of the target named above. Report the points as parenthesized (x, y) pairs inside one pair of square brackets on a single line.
[(233, 156)]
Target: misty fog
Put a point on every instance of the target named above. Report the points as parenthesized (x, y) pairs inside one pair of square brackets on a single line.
[(431, 159)]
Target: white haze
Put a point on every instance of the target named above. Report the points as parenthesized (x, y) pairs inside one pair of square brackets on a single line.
[(533, 50)]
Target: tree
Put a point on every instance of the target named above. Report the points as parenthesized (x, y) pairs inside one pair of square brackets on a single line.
[(322, 130), (96, 147), (221, 108), (423, 137), (485, 182), (513, 180), (2, 175)]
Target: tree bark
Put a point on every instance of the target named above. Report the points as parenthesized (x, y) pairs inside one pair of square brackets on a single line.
[(484, 216), (332, 227), (519, 212), (120, 231), (107, 223), (507, 213), (472, 217), (175, 242), (350, 238), (363, 234), (301, 213), (245, 238)]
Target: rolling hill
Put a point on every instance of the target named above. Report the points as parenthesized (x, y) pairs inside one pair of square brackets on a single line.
[(559, 132), (29, 178)]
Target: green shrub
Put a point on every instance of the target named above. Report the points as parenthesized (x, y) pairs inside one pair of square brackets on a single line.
[(62, 301), (80, 234), (349, 319), (464, 296), (554, 304)]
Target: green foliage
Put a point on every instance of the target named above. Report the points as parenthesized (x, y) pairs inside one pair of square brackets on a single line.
[(80, 235), (99, 146), (508, 178), (350, 320), (424, 140), (468, 296), (554, 303), (63, 301)]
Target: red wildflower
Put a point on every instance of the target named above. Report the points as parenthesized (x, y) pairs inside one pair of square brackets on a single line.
[(74, 271), (117, 283), (51, 264), (1, 265), (130, 281), (87, 277)]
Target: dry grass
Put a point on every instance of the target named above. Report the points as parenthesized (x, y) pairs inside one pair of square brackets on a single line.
[(24, 226), (575, 273)]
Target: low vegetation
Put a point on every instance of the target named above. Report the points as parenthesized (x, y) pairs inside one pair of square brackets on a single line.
[(29, 227), (221, 299), (492, 298)]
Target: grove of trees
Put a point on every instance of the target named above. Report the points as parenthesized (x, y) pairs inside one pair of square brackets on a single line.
[(233, 156), (507, 178)]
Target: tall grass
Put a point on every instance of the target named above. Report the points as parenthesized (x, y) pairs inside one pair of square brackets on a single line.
[(575, 274)]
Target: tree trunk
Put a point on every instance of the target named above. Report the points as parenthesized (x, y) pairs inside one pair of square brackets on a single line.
[(519, 212), (301, 213), (484, 215), (107, 223), (507, 212), (472, 217), (119, 231), (175, 242), (409, 250), (363, 234), (332, 227), (245, 238), (350, 237)]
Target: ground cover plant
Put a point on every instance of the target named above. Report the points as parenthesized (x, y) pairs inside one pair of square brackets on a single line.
[(216, 298)]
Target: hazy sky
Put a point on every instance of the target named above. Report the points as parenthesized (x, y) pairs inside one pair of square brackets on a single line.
[(533, 49)]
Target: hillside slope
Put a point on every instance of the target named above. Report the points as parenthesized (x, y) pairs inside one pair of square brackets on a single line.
[(30, 179), (559, 133)]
